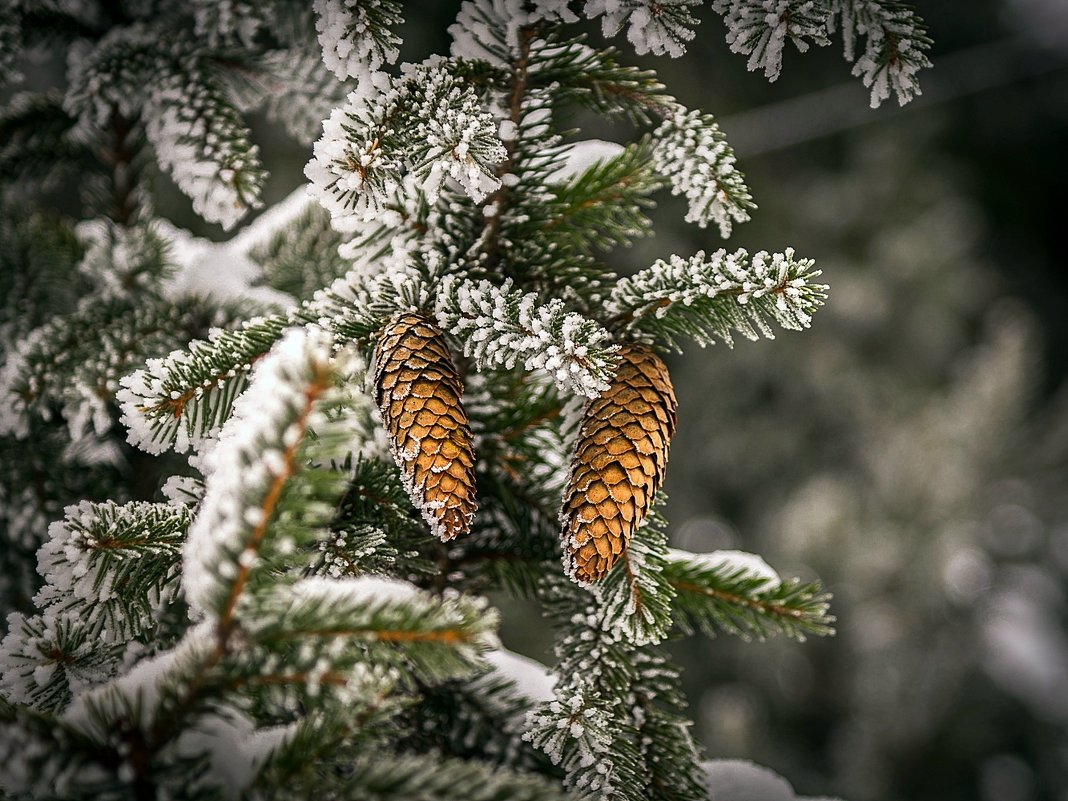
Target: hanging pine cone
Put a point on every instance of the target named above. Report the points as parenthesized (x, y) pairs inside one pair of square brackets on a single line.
[(418, 390), (619, 462)]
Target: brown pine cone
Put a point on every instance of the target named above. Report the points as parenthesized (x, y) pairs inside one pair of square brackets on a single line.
[(619, 462), (418, 391)]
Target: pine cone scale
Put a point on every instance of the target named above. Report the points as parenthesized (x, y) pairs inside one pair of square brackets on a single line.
[(418, 391), (618, 463)]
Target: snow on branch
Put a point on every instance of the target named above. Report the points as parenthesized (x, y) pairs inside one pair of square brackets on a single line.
[(258, 453), (178, 401), (502, 327), (116, 563), (608, 749), (738, 593), (660, 27), (705, 298), (692, 153), (895, 48), (338, 623), (75, 361), (46, 658), (635, 597), (760, 29), (355, 35), (201, 141), (194, 127), (109, 572), (224, 22), (429, 124)]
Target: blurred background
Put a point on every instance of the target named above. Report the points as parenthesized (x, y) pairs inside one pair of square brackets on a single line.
[(911, 449)]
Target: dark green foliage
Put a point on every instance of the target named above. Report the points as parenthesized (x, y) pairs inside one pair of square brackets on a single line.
[(38, 254), (302, 258), (734, 599)]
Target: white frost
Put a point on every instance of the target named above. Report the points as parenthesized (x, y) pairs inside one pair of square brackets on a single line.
[(750, 563), (580, 156), (531, 678), (741, 780)]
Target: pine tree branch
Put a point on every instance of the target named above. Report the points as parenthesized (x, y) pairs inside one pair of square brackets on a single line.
[(705, 298), (715, 591)]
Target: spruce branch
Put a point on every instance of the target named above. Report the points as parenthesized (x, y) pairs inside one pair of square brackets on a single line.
[(739, 594), (116, 564), (178, 401), (594, 78), (429, 124), (382, 776), (235, 532), (201, 141), (227, 23), (500, 327), (636, 597), (660, 27), (36, 146), (692, 154), (760, 29), (47, 657), (356, 35), (74, 363), (302, 257), (603, 206), (705, 298), (894, 50), (604, 747), (338, 624), (373, 530), (895, 47), (672, 755)]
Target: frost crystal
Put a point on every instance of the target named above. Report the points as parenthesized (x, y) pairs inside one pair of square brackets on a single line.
[(355, 35), (692, 153), (894, 51), (248, 460), (429, 124), (707, 297), (760, 28), (660, 27), (501, 327), (202, 143)]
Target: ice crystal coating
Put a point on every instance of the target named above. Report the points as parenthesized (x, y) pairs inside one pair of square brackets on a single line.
[(760, 28), (429, 124), (705, 297), (660, 27), (692, 153), (503, 327), (202, 143), (894, 49), (255, 452), (355, 35)]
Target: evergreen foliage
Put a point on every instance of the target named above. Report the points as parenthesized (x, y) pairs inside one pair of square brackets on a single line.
[(273, 620)]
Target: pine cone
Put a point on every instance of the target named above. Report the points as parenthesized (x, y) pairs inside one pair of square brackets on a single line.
[(418, 390), (619, 461)]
